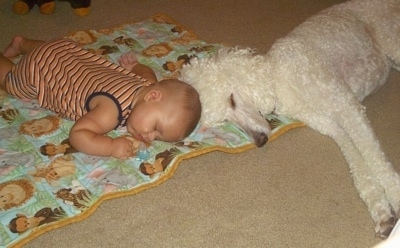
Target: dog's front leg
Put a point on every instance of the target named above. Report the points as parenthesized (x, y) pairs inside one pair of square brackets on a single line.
[(357, 127), (377, 195)]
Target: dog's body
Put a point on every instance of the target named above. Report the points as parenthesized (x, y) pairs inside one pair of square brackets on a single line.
[(318, 74)]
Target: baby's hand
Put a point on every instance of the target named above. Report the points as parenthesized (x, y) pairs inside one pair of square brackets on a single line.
[(122, 148), (128, 61)]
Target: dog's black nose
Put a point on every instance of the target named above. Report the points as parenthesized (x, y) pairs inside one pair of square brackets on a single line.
[(260, 139)]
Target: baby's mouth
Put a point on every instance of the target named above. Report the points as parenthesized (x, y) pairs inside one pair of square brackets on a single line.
[(138, 137)]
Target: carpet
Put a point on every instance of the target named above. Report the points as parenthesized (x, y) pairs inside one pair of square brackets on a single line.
[(46, 184)]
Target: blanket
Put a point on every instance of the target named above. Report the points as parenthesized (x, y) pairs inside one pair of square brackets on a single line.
[(44, 181)]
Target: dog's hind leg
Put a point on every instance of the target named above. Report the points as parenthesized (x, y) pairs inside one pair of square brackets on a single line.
[(367, 185), (384, 27)]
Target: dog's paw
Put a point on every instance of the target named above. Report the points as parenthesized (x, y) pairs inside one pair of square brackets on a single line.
[(384, 227)]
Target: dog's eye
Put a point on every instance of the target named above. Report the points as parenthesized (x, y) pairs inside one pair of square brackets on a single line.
[(233, 103)]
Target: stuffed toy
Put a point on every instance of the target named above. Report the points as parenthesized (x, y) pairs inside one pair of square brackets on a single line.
[(21, 7)]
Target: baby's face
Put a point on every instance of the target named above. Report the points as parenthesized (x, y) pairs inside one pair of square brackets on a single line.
[(162, 120)]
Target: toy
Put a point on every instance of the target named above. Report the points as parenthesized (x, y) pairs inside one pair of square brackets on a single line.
[(22, 7), (143, 153), (139, 149)]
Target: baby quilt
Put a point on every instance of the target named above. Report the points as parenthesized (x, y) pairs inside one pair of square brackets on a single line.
[(48, 184)]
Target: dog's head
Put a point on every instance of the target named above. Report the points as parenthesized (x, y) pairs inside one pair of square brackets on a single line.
[(246, 116), (231, 88)]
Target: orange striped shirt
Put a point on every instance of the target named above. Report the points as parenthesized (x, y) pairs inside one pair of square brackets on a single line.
[(63, 77)]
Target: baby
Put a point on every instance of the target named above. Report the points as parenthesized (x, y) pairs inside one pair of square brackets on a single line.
[(99, 95)]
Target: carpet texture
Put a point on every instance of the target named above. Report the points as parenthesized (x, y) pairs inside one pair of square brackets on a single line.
[(294, 192)]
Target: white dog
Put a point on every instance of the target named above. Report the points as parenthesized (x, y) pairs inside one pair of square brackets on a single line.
[(318, 74)]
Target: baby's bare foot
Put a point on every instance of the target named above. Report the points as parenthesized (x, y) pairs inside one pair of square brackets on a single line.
[(128, 61), (14, 48)]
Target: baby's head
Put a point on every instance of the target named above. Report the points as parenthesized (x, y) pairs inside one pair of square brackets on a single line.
[(168, 110)]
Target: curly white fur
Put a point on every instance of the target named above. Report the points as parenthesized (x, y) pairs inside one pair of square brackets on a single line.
[(318, 74)]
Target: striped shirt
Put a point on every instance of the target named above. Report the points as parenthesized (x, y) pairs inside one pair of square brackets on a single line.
[(63, 77)]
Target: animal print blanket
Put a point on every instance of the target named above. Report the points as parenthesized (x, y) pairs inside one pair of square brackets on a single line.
[(44, 180)]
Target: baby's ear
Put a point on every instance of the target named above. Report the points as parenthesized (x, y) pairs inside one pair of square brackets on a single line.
[(153, 96)]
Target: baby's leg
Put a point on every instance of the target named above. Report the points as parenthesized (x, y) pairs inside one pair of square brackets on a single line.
[(128, 61), (5, 67), (20, 45)]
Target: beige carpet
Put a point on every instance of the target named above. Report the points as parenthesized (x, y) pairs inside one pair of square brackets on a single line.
[(295, 192)]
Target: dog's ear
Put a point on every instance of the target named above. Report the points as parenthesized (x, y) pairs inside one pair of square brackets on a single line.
[(232, 101)]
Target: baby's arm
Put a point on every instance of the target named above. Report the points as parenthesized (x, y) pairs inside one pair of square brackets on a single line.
[(88, 133), (130, 62)]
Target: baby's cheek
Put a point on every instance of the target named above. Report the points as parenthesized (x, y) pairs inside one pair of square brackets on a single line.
[(128, 126)]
